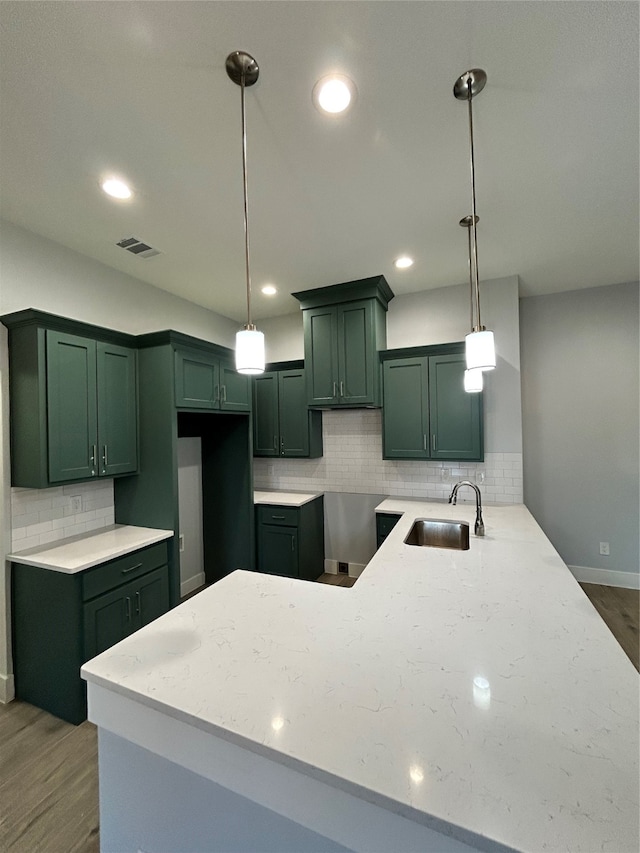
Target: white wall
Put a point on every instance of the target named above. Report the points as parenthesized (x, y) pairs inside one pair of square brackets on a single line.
[(37, 273), (581, 431)]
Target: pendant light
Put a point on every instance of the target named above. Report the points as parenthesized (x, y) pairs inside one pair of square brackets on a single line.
[(473, 382), (479, 345), (243, 70)]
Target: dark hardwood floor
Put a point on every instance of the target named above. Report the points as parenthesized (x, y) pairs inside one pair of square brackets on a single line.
[(49, 768), (620, 609)]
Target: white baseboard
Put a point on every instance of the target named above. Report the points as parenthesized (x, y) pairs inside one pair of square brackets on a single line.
[(7, 689), (192, 583), (606, 577), (355, 569)]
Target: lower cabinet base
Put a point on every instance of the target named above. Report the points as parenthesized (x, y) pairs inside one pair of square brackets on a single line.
[(290, 540)]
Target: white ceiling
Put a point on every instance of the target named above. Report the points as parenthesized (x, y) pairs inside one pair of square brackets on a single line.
[(139, 88)]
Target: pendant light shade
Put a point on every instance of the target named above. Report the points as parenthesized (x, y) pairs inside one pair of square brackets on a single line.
[(473, 382), (479, 344), (250, 351), (480, 351), (243, 70)]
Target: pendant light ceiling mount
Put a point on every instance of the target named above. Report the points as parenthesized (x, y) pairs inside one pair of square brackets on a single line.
[(244, 71), (479, 345)]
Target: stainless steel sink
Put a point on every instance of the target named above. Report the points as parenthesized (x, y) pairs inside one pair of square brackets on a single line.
[(439, 533)]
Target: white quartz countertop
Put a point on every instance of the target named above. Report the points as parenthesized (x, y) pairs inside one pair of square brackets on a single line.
[(77, 553), (285, 498), (477, 692)]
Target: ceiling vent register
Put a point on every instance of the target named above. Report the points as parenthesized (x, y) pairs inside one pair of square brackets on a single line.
[(137, 247)]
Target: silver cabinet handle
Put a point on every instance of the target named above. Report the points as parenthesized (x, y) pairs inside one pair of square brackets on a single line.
[(216, 393), (93, 459), (105, 461), (275, 442), (293, 544), (342, 394), (130, 569), (278, 517), (223, 390), (137, 603), (433, 441), (424, 441), (335, 389), (127, 605)]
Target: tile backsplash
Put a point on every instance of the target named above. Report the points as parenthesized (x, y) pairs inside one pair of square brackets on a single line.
[(39, 516), (353, 462)]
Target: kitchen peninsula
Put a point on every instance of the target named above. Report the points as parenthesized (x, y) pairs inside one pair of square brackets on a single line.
[(451, 700)]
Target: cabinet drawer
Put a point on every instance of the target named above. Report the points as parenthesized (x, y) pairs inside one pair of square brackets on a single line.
[(116, 572), (287, 515)]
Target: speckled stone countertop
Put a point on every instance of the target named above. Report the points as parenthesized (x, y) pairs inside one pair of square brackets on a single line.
[(477, 691), (285, 498), (77, 553)]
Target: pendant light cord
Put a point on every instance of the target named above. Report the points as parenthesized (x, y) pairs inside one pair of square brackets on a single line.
[(246, 202), (474, 271)]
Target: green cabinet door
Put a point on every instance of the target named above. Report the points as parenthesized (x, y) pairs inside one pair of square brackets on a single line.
[(72, 433), (151, 597), (117, 410), (278, 550), (357, 361), (108, 619), (456, 416), (235, 390), (321, 355), (197, 380), (266, 426), (294, 415), (405, 415)]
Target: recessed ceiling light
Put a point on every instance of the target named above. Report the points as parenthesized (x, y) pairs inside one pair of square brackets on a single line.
[(334, 93), (116, 188), (403, 263), (269, 290)]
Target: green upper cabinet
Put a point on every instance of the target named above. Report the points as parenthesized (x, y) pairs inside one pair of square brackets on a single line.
[(72, 415), (344, 328), (427, 413), (206, 380), (73, 391), (455, 414), (283, 425), (405, 424), (117, 409)]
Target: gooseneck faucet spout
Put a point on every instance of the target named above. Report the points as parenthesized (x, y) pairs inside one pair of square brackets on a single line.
[(453, 497)]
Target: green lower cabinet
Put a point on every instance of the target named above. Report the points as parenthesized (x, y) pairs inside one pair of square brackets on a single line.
[(290, 540), (427, 414), (283, 425), (62, 620)]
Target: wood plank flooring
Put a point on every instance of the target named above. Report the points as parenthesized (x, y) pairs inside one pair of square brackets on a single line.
[(49, 768), (48, 783), (620, 609)]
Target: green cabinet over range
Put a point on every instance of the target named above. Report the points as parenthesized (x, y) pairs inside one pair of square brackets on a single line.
[(427, 414), (73, 401), (283, 424), (344, 328)]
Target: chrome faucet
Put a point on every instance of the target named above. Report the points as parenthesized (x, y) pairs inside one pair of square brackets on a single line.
[(453, 497)]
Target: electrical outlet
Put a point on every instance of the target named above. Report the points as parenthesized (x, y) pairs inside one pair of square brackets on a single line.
[(445, 475), (76, 503), (604, 549), (479, 477), (343, 568)]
